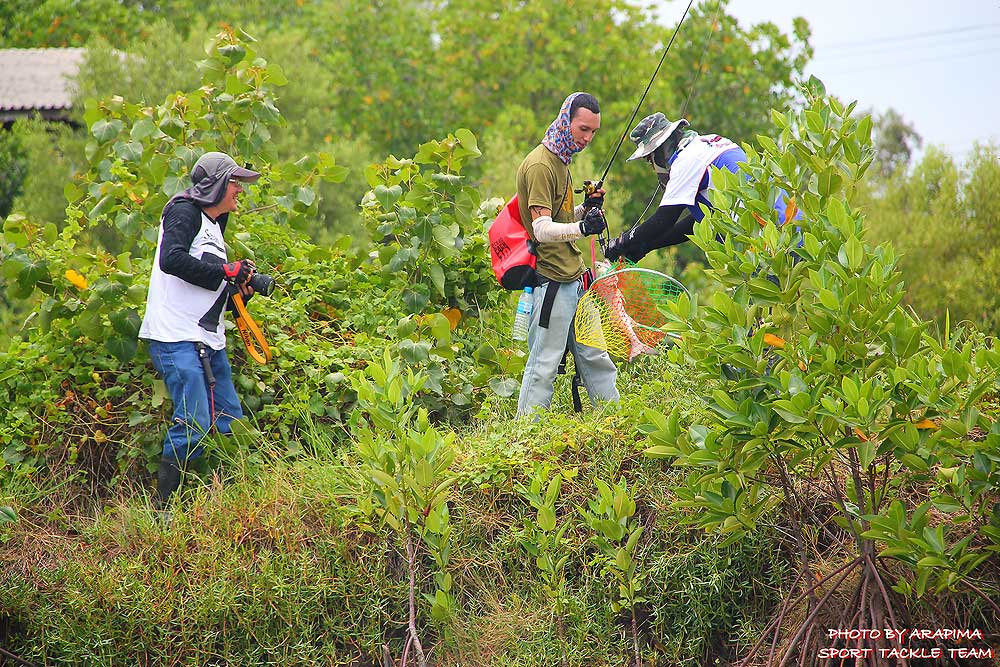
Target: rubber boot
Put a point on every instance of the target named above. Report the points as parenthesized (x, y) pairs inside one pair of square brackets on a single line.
[(168, 478)]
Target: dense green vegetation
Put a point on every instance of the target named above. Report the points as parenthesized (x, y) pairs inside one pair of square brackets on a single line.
[(813, 453), (942, 218), (371, 79)]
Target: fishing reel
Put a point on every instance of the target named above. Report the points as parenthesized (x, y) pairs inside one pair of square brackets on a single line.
[(594, 200), (591, 199)]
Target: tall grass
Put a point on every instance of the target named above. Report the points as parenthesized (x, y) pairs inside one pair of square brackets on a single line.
[(270, 559)]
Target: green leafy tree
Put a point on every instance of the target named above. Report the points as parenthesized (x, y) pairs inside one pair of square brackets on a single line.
[(12, 170), (430, 221), (140, 155), (123, 23), (52, 155), (941, 216), (832, 400), (384, 75), (545, 540), (727, 77), (405, 474), (895, 142), (610, 516), (64, 23), (429, 224)]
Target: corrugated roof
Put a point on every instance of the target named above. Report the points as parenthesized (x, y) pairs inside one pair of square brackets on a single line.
[(36, 78)]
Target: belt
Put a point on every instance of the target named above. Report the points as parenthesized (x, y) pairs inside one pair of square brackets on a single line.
[(587, 277)]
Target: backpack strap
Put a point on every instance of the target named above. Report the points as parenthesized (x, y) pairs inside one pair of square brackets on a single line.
[(547, 301)]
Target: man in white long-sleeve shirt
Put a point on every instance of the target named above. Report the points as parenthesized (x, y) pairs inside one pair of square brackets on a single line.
[(189, 292)]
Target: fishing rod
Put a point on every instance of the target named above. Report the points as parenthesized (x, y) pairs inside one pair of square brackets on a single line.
[(688, 98), (589, 187), (642, 99)]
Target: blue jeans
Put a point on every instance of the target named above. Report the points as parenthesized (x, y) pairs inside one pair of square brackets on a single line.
[(546, 347), (179, 366)]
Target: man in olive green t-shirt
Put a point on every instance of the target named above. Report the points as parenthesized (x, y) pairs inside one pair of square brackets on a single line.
[(545, 198)]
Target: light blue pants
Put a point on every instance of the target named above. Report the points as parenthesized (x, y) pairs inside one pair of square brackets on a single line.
[(546, 347)]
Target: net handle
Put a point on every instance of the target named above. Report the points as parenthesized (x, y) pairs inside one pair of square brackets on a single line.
[(637, 269)]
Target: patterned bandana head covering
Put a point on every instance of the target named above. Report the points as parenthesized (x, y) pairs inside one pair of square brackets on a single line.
[(558, 137)]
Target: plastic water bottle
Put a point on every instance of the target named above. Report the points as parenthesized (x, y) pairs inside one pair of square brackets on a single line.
[(524, 305)]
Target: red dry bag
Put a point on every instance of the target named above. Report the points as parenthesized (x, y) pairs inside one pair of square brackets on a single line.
[(511, 249)]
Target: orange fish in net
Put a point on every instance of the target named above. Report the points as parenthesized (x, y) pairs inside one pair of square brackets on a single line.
[(621, 312)]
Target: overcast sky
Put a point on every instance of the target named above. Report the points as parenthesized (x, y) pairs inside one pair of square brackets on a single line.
[(937, 62)]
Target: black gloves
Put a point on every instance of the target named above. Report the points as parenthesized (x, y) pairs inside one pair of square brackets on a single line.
[(623, 246), (613, 251), (593, 222), (594, 201), (239, 272)]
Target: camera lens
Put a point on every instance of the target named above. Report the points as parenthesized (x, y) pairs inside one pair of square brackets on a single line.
[(262, 284)]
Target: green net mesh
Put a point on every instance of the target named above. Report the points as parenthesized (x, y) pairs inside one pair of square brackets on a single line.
[(620, 313)]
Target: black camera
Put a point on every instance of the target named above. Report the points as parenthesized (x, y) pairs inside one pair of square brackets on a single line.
[(262, 284)]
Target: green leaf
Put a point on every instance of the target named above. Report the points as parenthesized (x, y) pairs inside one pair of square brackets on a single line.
[(7, 514), (914, 462), (276, 75), (387, 197), (830, 182), (172, 185), (922, 579), (546, 518), (935, 538), (787, 411), (446, 235), (172, 126), (306, 195), (815, 86), (866, 453), (143, 129), (130, 151), (105, 203), (126, 322), (335, 174), (436, 274), (415, 299), (850, 388), (855, 253), (13, 230), (122, 348), (764, 290), (105, 130), (503, 387), (233, 53), (468, 141)]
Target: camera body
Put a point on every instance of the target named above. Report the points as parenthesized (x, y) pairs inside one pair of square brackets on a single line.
[(262, 284)]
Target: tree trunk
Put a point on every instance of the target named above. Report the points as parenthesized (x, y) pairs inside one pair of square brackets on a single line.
[(635, 640), (411, 560)]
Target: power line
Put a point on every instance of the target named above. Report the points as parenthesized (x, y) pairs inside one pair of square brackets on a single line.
[(888, 48), (907, 63), (915, 35)]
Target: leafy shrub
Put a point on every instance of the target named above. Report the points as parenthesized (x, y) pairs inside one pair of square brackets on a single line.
[(832, 401), (69, 380)]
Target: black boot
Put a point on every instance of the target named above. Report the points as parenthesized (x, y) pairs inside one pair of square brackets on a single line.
[(168, 478)]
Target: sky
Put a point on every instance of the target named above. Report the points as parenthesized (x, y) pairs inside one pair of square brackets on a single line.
[(937, 62)]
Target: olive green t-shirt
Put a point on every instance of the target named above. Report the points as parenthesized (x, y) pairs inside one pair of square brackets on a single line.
[(543, 180)]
